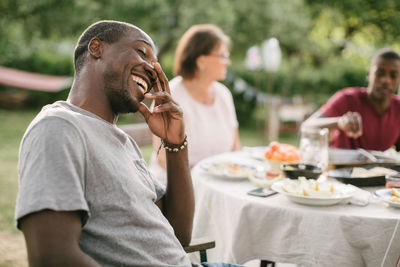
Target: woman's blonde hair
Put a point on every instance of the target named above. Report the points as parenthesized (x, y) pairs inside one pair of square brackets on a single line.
[(198, 40)]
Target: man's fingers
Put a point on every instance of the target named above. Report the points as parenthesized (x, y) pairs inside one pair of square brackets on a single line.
[(158, 90), (160, 97), (351, 124), (171, 107), (162, 78), (356, 122)]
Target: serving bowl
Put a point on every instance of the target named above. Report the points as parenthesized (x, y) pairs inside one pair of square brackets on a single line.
[(296, 170)]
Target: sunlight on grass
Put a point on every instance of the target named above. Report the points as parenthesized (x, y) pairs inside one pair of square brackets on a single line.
[(12, 127), (255, 137)]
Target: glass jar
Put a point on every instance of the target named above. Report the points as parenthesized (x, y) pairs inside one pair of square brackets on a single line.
[(314, 147)]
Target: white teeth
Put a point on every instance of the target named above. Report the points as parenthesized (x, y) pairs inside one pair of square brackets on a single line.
[(140, 81)]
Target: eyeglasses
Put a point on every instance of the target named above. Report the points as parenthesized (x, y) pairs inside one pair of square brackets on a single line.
[(224, 55)]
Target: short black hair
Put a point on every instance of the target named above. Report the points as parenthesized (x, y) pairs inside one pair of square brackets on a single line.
[(106, 30), (386, 53)]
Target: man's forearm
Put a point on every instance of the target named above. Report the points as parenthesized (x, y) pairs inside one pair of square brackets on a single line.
[(178, 203), (330, 123), (317, 120), (62, 259)]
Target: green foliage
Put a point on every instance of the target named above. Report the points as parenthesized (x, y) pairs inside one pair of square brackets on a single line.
[(46, 60), (325, 45), (375, 21)]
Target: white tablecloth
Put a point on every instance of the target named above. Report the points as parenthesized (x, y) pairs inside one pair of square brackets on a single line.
[(247, 227)]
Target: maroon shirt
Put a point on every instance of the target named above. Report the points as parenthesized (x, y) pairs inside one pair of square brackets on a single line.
[(380, 131)]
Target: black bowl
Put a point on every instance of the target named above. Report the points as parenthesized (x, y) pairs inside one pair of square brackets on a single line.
[(296, 170)]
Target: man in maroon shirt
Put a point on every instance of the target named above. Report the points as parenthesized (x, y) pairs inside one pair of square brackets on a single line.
[(367, 118)]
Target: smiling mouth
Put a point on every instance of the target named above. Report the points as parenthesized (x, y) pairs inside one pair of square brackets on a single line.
[(139, 81)]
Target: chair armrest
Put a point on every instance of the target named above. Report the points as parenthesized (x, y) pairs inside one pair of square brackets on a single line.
[(199, 245)]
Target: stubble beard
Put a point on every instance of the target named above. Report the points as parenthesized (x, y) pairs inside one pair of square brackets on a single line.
[(118, 96)]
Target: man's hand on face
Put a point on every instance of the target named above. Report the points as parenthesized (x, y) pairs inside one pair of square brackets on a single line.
[(351, 124), (166, 118)]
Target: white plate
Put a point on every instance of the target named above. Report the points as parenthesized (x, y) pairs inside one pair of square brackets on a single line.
[(384, 195), (342, 192), (230, 169)]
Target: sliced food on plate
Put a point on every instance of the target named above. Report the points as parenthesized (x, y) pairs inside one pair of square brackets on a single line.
[(304, 187), (312, 192), (390, 196)]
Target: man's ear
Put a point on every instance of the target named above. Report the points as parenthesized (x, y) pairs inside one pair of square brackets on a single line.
[(95, 47)]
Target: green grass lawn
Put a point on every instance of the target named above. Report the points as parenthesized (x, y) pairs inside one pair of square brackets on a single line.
[(12, 127)]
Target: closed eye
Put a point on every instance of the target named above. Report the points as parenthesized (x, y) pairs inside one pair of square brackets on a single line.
[(141, 52)]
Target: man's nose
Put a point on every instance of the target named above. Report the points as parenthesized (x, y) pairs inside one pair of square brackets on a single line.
[(386, 79)]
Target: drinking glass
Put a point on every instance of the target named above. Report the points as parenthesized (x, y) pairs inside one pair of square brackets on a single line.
[(314, 147)]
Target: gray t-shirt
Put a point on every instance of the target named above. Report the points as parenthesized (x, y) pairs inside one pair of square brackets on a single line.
[(70, 159)]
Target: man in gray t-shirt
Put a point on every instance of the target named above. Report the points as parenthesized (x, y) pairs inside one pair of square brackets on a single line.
[(85, 196)]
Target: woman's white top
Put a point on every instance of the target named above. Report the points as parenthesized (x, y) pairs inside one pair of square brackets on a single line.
[(210, 129)]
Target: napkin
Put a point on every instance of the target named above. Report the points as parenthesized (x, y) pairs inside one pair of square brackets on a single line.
[(360, 198)]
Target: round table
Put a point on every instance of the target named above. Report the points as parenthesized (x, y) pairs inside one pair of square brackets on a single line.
[(246, 227)]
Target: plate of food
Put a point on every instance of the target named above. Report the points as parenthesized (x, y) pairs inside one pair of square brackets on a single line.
[(311, 192), (372, 175), (390, 196), (230, 169)]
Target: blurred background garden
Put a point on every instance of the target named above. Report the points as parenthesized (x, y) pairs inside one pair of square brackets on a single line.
[(324, 46)]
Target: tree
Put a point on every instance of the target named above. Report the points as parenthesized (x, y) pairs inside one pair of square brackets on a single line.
[(361, 21), (247, 22)]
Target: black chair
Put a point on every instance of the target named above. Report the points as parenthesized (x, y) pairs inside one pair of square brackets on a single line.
[(265, 263)]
